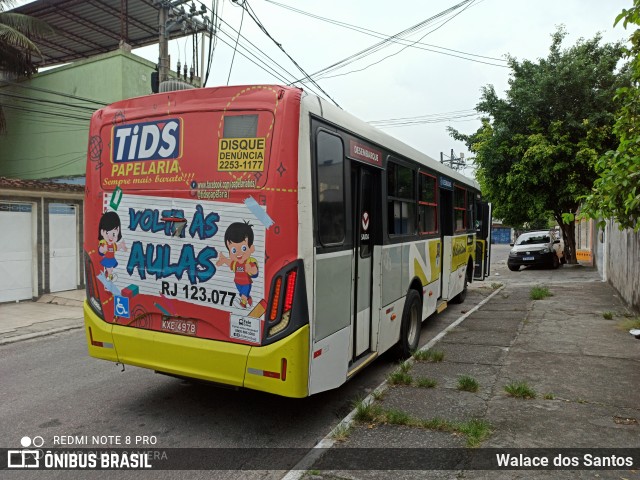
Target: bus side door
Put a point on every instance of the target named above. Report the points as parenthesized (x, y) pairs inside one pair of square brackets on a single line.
[(482, 265), (364, 183)]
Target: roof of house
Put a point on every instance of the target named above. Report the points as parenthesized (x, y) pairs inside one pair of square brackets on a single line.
[(38, 185), (82, 29)]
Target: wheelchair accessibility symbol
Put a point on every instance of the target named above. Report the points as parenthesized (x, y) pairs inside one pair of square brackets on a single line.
[(121, 306)]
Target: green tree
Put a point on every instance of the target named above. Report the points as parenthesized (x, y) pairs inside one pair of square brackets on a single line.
[(536, 150), (616, 192), (17, 46)]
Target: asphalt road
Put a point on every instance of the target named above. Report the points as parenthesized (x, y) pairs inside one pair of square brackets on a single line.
[(51, 387)]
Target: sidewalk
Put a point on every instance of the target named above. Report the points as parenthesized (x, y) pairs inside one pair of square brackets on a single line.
[(52, 313), (583, 368)]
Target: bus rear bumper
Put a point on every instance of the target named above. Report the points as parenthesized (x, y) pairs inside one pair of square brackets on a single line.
[(280, 368)]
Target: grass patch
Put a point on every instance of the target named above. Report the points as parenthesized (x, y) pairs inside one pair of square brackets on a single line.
[(630, 323), (428, 356), (426, 383), (342, 433), (475, 430), (607, 315), (549, 396), (404, 367), (468, 384), (539, 293), (520, 390), (438, 424), (400, 378), (398, 417), (378, 394), (366, 413), (496, 285)]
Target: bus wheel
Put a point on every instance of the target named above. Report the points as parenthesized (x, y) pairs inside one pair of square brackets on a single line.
[(411, 323)]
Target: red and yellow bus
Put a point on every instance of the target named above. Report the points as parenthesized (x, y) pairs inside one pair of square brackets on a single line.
[(258, 237)]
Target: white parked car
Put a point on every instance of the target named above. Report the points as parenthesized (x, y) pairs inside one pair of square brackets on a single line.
[(543, 247)]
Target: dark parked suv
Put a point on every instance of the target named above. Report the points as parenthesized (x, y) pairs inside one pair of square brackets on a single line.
[(536, 248)]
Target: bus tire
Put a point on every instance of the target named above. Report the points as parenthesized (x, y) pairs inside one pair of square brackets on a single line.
[(410, 326)]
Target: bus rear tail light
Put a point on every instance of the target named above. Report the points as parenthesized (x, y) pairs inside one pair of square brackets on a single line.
[(287, 296), (291, 290), (275, 299), (285, 316)]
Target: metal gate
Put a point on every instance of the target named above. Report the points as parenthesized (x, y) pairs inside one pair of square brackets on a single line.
[(63, 247), (16, 251)]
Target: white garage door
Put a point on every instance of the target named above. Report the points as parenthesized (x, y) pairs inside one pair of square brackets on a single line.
[(63, 248), (16, 252)]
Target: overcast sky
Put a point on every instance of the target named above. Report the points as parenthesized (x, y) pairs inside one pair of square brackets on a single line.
[(413, 82)]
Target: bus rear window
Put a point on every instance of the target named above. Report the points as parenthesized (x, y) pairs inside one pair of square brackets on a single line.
[(240, 126), (330, 183)]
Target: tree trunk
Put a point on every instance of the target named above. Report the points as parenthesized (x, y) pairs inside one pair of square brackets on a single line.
[(569, 236)]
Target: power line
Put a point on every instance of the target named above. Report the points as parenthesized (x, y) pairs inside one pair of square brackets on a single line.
[(386, 42), (399, 51), (425, 119), (53, 92), (44, 156), (50, 168), (265, 68), (402, 49), (68, 106), (373, 33), (66, 124), (236, 47), (54, 114), (254, 17), (267, 63)]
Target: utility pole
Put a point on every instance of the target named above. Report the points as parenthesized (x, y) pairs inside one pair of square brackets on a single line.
[(170, 18), (163, 42), (453, 162)]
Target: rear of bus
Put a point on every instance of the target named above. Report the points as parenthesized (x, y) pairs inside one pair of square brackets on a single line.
[(191, 240)]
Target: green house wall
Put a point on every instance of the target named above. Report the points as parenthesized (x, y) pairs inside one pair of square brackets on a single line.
[(47, 134)]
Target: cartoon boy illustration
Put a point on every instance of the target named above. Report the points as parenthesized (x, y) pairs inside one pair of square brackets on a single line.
[(109, 241), (239, 241)]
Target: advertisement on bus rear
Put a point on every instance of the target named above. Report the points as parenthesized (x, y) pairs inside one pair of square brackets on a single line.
[(184, 208)]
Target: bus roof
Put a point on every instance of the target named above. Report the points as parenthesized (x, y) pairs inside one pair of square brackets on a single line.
[(322, 108)]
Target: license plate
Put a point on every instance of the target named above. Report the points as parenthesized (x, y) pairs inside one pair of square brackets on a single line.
[(527, 259), (174, 325)]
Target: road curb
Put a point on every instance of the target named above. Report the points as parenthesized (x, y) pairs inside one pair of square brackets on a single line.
[(44, 333), (328, 441)]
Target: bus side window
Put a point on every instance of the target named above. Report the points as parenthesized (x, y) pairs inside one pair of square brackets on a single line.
[(460, 209), (401, 199), (330, 183)]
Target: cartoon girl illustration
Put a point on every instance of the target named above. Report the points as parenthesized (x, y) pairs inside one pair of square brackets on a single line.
[(239, 241), (109, 241)]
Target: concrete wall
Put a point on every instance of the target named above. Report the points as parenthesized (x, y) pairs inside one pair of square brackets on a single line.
[(623, 263), (47, 134)]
